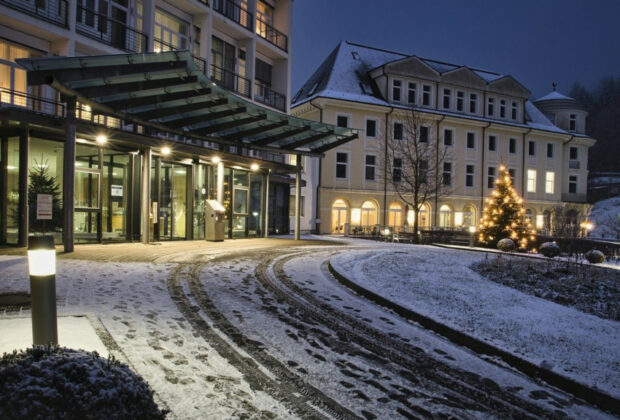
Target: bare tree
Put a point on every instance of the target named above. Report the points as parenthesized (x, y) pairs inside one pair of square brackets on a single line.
[(414, 162), (565, 220)]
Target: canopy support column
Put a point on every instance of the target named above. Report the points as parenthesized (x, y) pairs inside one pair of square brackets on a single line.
[(68, 178), (266, 234), (145, 219), (297, 197)]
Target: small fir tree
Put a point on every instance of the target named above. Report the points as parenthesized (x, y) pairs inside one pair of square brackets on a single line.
[(503, 215), (43, 183)]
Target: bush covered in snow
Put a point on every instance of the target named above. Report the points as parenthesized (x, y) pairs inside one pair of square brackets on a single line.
[(55, 382), (506, 245), (549, 249), (594, 256)]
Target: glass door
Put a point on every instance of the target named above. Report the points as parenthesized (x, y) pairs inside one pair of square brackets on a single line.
[(173, 204), (87, 194)]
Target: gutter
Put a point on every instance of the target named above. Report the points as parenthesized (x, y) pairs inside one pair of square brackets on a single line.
[(317, 207)]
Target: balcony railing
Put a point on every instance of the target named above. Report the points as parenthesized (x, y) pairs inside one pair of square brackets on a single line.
[(34, 103), (234, 12), (112, 32), (573, 164), (53, 11), (268, 96), (160, 46), (271, 34), (230, 81)]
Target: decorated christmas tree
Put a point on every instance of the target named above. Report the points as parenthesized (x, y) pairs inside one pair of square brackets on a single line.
[(503, 215)]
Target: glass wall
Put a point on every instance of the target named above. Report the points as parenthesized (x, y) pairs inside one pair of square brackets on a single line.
[(115, 190), (256, 205), (173, 204), (12, 178), (200, 195), (241, 183), (87, 194)]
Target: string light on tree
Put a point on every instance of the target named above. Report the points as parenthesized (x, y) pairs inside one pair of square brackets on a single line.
[(503, 215)]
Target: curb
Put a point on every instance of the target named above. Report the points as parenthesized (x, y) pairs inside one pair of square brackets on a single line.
[(591, 395)]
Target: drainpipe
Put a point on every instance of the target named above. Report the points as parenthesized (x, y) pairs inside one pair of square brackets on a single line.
[(385, 165), (317, 205), (523, 178), (437, 173), (484, 129)]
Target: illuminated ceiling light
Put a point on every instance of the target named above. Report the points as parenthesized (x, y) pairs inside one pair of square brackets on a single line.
[(165, 151), (215, 159), (254, 166), (81, 140), (101, 139)]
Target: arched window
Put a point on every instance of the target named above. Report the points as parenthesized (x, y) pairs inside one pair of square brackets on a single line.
[(469, 216), (369, 214), (340, 211), (445, 216), (395, 219), (423, 218)]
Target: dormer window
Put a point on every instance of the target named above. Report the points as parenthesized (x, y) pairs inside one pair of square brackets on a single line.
[(396, 88), (447, 94), (572, 122), (426, 95), (460, 99), (411, 92), (473, 103), (490, 107), (502, 108), (515, 109)]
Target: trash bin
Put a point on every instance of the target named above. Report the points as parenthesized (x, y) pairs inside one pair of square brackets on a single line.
[(214, 221)]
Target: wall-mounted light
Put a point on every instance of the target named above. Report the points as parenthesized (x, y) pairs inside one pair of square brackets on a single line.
[(165, 151), (101, 139), (215, 159), (254, 167)]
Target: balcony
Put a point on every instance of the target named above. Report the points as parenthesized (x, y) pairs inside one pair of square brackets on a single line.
[(26, 101), (161, 46), (574, 198), (269, 97), (271, 34), (53, 11), (234, 12), (108, 31), (573, 164), (230, 81)]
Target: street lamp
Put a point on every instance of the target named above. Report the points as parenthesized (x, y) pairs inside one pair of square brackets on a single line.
[(42, 270), (587, 227)]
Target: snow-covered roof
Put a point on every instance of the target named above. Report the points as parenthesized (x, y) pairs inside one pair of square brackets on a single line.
[(555, 95), (344, 75)]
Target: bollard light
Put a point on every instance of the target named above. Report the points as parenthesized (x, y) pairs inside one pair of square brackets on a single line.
[(472, 231), (42, 270)]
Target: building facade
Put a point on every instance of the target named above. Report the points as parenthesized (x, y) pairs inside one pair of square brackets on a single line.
[(165, 105), (477, 120)]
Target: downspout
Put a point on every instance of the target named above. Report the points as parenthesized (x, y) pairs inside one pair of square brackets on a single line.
[(523, 179), (437, 173), (317, 205), (385, 165), (484, 129)]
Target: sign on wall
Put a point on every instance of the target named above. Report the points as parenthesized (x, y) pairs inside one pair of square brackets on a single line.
[(44, 206), (117, 190)]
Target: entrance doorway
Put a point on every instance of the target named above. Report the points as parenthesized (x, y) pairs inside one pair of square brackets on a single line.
[(173, 201), (339, 216)]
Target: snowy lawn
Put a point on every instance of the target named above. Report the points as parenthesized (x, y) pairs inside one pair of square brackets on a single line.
[(439, 284)]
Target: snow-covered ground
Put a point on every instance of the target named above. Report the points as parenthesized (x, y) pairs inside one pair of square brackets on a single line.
[(606, 218), (439, 284)]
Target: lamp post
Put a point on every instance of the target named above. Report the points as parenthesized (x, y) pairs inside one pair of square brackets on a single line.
[(472, 231), (42, 270)]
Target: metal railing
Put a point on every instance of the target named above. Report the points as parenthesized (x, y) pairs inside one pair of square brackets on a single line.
[(234, 12), (271, 34), (268, 96), (53, 11), (112, 32), (230, 80), (160, 46), (34, 103)]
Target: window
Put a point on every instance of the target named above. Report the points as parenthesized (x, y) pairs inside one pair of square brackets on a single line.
[(490, 107), (262, 72), (169, 32), (531, 148), (398, 131), (447, 137), (447, 94), (531, 180), (572, 122), (572, 184), (342, 121), (492, 143), (371, 128), (550, 150), (397, 166), (473, 103), (423, 134), (342, 160), (411, 93), (491, 177), (264, 19), (471, 140), (512, 173), (371, 166), (12, 76), (502, 108), (447, 174), (396, 87), (460, 99), (291, 206), (573, 153), (515, 108), (549, 182), (426, 95), (423, 171), (469, 176), (512, 146), (224, 61)]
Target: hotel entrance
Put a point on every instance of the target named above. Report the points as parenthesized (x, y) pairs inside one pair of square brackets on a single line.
[(172, 191)]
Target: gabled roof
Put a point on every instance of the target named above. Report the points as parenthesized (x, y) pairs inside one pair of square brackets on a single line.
[(167, 92)]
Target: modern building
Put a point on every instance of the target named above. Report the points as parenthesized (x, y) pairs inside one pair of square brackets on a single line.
[(132, 114), (477, 120)]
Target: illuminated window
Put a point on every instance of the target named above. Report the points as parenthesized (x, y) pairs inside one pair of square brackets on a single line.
[(395, 217), (531, 180), (369, 213), (549, 182), (169, 32)]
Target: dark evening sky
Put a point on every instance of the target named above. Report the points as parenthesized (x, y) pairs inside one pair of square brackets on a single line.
[(536, 41)]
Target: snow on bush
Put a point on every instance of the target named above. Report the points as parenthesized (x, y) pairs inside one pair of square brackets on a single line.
[(506, 245), (594, 256), (549, 249), (54, 382)]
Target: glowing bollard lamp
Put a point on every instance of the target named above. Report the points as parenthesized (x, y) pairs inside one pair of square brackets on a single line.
[(42, 270)]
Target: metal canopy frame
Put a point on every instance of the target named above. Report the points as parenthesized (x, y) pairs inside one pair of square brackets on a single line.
[(167, 93)]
